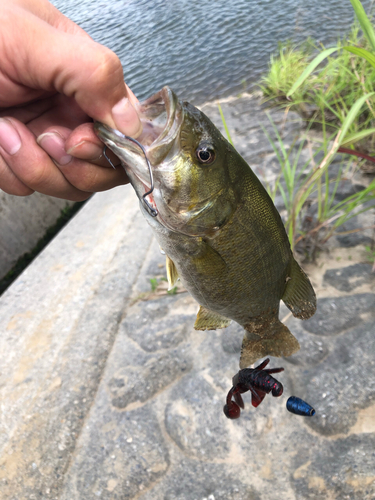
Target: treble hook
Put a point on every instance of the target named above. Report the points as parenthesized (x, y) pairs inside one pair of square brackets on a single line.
[(152, 211)]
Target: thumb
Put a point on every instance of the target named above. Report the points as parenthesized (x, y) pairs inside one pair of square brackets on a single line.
[(70, 64)]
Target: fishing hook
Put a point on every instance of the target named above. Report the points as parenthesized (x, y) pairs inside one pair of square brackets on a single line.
[(152, 211)]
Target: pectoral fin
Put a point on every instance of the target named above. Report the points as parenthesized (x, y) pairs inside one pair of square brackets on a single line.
[(172, 273), (299, 295), (209, 320), (208, 262)]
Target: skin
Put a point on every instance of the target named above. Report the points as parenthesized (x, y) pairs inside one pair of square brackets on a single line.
[(54, 80)]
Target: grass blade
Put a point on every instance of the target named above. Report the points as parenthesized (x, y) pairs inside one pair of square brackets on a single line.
[(310, 68), (362, 53), (350, 117), (364, 22), (351, 139), (225, 124)]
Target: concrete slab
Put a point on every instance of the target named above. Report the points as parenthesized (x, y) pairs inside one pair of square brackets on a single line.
[(58, 322)]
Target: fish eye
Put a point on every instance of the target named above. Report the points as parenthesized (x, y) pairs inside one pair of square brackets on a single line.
[(205, 154)]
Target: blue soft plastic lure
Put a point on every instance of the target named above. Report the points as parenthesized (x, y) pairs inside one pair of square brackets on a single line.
[(299, 407)]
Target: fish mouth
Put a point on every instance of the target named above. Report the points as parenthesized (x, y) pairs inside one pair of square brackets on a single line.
[(161, 116)]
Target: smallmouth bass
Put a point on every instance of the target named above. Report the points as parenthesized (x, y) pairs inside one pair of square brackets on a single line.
[(219, 228)]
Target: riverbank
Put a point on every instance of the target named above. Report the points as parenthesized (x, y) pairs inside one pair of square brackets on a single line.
[(105, 395)]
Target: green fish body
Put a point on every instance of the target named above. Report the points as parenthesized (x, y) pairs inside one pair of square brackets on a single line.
[(222, 234)]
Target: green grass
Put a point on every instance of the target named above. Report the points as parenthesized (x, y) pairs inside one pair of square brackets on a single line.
[(336, 79), (283, 68), (154, 284)]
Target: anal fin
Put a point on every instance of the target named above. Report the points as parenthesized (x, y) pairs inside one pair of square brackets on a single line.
[(209, 320), (299, 295), (172, 273)]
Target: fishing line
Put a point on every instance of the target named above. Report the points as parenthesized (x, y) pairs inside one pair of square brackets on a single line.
[(151, 210)]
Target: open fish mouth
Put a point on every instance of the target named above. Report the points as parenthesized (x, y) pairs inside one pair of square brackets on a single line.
[(161, 116)]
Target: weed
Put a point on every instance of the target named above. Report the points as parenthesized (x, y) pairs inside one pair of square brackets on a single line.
[(225, 124), (154, 284), (310, 192), (282, 71), (326, 93)]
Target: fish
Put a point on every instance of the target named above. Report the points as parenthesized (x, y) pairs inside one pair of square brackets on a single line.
[(221, 233)]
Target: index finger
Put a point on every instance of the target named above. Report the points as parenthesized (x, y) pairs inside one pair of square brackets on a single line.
[(40, 56)]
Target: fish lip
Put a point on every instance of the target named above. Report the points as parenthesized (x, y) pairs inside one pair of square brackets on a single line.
[(107, 133), (167, 102)]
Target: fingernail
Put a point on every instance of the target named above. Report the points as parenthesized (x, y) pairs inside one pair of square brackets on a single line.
[(10, 139), (126, 119), (86, 150), (53, 144)]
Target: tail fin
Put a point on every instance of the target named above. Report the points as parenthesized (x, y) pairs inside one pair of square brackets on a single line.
[(278, 341)]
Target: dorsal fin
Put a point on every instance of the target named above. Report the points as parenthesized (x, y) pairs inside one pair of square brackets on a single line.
[(172, 273), (209, 320), (299, 295)]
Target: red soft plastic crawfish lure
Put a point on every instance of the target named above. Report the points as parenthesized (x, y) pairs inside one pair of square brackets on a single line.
[(256, 380)]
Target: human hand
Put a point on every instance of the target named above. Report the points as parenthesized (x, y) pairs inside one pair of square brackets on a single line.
[(53, 79)]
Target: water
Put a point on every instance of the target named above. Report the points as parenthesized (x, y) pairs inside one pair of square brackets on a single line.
[(204, 49)]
